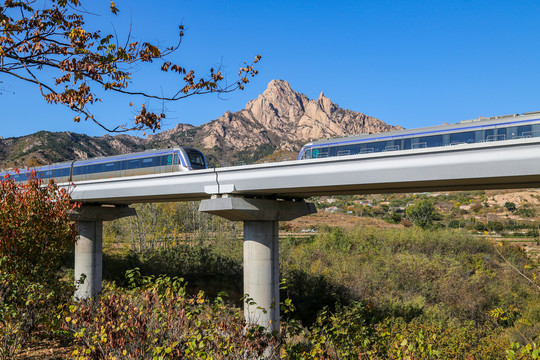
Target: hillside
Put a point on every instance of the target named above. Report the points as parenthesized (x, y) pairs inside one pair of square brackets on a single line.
[(280, 119)]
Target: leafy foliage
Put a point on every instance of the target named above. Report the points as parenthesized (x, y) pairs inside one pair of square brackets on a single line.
[(510, 206), (422, 213), (35, 232), (156, 319), (35, 229)]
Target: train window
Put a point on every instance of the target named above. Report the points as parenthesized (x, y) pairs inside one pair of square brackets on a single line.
[(166, 160), (196, 159), (366, 148), (355, 149), (133, 164), (378, 146), (79, 170), (147, 162), (332, 151), (176, 161), (478, 136), (96, 168), (535, 130), (392, 145), (511, 132), (307, 154), (61, 172), (348, 150), (524, 131), (109, 166), (462, 138), (501, 134), (42, 174), (320, 152), (432, 141)]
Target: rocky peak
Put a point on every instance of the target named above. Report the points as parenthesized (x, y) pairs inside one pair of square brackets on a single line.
[(284, 118), (278, 103), (279, 117), (326, 104)]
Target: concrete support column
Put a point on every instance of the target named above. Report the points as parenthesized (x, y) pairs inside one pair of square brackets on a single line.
[(261, 273), (88, 258), (261, 249), (89, 245)]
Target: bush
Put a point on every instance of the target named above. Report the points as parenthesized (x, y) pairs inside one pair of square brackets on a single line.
[(394, 218), (35, 232), (526, 211), (457, 224), (422, 213), (510, 206), (496, 226), (35, 229), (156, 319)]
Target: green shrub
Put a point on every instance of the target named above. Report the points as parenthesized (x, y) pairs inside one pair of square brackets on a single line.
[(422, 213), (510, 206), (526, 211)]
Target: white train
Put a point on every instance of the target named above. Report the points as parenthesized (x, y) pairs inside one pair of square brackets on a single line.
[(497, 128), (139, 163)]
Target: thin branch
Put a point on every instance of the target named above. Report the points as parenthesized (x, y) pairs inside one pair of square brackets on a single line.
[(516, 269)]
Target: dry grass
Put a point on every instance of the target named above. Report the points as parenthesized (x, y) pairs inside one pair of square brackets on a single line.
[(346, 221), (46, 349)]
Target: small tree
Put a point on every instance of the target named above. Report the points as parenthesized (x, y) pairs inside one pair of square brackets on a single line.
[(510, 206), (422, 213)]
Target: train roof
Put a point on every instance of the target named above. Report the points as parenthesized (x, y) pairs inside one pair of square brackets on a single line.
[(462, 125), (132, 155)]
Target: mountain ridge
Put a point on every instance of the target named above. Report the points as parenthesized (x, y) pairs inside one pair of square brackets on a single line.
[(279, 119)]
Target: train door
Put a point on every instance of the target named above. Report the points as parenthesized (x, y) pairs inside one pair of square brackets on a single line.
[(407, 142), (166, 163), (512, 132)]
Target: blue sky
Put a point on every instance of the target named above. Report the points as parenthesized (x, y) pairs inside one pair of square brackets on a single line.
[(408, 63)]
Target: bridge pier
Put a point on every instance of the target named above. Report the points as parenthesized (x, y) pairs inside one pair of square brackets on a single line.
[(88, 248), (261, 249)]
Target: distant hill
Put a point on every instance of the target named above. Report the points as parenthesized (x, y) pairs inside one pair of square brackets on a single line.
[(279, 120)]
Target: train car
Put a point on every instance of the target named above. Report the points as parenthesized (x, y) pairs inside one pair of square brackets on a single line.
[(497, 128), (140, 163)]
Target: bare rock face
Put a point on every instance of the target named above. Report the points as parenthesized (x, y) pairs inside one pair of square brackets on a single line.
[(285, 119)]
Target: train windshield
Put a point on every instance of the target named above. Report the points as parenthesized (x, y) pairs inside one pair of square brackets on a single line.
[(196, 158)]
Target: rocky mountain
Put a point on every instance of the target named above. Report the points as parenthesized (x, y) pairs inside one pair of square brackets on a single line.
[(280, 119)]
